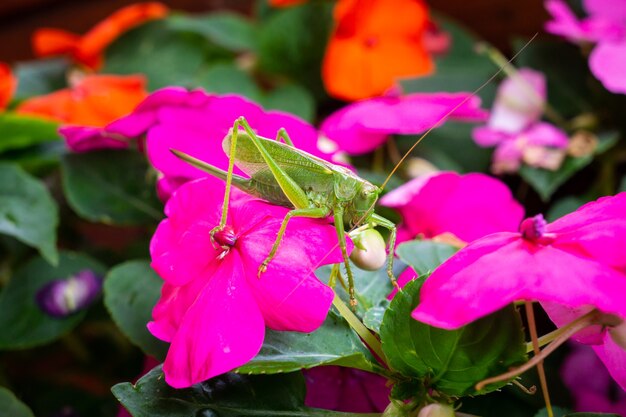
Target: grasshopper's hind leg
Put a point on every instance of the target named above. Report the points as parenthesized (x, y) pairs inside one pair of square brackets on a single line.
[(313, 212), (389, 225), (341, 236)]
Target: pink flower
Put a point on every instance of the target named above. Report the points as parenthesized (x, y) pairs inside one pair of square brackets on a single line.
[(571, 266), (195, 123), (363, 126), (469, 206), (590, 383), (514, 126), (213, 307), (606, 26), (346, 389)]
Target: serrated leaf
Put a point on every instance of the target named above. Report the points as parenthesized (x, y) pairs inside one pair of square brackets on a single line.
[(18, 131), (334, 343), (228, 395), (43, 76), (293, 99), (546, 182), (131, 290), (225, 29), (27, 211), (110, 187), (448, 361), (10, 406), (165, 56), (22, 323), (425, 255)]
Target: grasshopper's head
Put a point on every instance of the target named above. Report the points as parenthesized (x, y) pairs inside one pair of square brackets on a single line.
[(364, 200)]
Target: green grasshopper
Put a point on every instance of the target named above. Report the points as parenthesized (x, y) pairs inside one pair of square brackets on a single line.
[(284, 175)]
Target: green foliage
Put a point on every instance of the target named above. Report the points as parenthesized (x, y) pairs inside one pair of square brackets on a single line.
[(28, 212), (131, 290), (425, 255), (229, 395), (110, 187), (228, 30), (293, 99), (22, 323), (546, 182), (450, 361), (35, 78), (18, 131), (227, 78), (557, 412), (10, 406), (334, 343)]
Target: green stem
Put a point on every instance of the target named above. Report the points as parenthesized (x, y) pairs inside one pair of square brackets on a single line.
[(364, 333), (532, 328)]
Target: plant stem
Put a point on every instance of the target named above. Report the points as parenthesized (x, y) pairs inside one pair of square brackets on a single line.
[(364, 333), (532, 328)]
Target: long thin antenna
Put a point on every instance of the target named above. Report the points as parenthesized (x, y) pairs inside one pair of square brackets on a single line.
[(455, 108)]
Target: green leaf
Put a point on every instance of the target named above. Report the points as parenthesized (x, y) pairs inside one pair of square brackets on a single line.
[(425, 255), (110, 187), (228, 395), (564, 206), (131, 290), (373, 317), (461, 68), (546, 182), (622, 185), (43, 76), (228, 30), (450, 361), (165, 56), (27, 211), (22, 323), (10, 406), (334, 343), (226, 78), (557, 412), (288, 34), (18, 131), (293, 99)]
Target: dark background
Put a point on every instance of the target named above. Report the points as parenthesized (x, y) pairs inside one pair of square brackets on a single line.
[(495, 20)]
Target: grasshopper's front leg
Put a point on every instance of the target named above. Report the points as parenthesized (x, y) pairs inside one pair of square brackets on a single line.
[(389, 225), (341, 236)]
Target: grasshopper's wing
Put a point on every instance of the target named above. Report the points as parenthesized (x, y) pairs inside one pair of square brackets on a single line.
[(309, 172)]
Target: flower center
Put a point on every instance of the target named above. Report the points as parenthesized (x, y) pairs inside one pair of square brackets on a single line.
[(225, 239), (533, 230)]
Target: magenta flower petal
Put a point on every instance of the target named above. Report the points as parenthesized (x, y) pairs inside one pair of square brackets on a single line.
[(565, 23), (222, 329), (545, 134), (614, 358), (501, 268), (485, 136), (363, 126), (610, 9), (85, 139), (445, 202), (608, 63)]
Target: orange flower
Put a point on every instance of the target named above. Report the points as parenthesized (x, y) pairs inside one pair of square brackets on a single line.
[(8, 83), (93, 100), (286, 3), (88, 49), (374, 43)]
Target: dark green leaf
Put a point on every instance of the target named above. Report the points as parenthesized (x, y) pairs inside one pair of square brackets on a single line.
[(288, 34), (110, 187), (461, 68), (373, 317), (226, 78), (18, 131), (36, 78), (546, 182), (27, 211), (228, 30), (293, 99), (10, 406), (425, 255), (130, 292), (557, 412), (622, 185), (22, 323), (564, 206), (334, 343), (451, 362), (166, 57), (229, 395)]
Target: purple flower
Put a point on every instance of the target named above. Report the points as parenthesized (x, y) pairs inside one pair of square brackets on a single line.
[(63, 297), (363, 126), (515, 129), (605, 25), (214, 307)]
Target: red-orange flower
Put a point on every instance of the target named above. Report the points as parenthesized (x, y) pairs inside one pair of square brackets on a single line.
[(8, 83), (93, 100), (88, 49), (286, 3), (374, 43)]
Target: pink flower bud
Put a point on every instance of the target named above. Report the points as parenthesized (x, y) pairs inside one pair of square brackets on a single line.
[(436, 410), (370, 251)]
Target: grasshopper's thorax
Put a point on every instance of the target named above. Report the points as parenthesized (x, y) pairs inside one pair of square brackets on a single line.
[(356, 195)]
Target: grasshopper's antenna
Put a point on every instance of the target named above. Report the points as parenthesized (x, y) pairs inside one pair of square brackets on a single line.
[(455, 108)]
